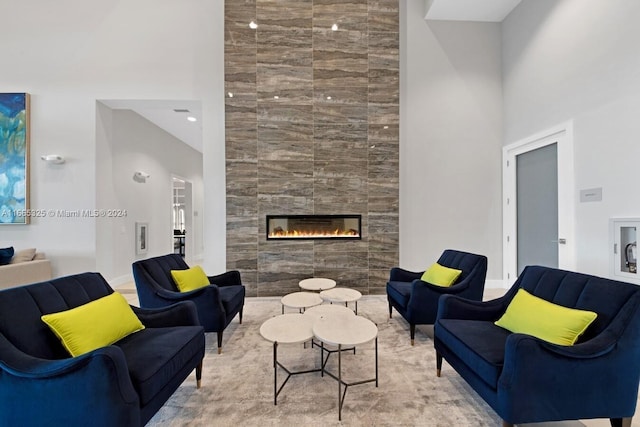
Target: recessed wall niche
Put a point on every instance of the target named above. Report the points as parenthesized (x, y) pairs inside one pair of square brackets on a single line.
[(312, 117)]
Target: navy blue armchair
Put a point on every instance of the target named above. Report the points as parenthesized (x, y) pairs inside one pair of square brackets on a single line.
[(525, 379), (417, 301), (217, 303), (123, 384)]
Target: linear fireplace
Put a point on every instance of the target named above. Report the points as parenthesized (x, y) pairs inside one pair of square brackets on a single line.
[(304, 227)]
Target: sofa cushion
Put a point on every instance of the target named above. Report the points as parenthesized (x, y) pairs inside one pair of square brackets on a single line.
[(190, 279), (480, 344), (96, 324), (5, 255), (440, 276), (23, 255), (528, 314), (155, 355)]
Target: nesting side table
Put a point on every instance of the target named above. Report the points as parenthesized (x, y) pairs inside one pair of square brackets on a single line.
[(287, 329)]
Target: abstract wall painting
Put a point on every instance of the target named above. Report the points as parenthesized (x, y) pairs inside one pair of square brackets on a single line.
[(14, 158)]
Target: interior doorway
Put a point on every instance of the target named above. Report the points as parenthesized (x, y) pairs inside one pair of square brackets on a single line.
[(538, 204), (181, 216)]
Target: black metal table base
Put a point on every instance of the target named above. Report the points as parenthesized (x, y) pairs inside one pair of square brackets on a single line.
[(276, 364), (342, 394)]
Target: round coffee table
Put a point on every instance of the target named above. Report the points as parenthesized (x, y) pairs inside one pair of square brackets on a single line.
[(339, 295), (324, 310), (350, 332), (300, 300), (287, 329), (317, 284)]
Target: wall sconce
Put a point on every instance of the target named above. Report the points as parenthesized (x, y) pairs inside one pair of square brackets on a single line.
[(53, 159), (141, 177)]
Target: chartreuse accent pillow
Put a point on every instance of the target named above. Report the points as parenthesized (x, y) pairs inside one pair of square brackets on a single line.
[(440, 275), (93, 325), (529, 314), (190, 279)]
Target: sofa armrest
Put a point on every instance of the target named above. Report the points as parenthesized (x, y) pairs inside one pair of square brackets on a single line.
[(229, 278), (50, 392), (183, 313), (398, 274), (532, 364), (454, 307)]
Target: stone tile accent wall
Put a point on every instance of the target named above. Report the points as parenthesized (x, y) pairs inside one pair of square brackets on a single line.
[(312, 118)]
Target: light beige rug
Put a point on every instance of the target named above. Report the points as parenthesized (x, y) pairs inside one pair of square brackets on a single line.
[(237, 385)]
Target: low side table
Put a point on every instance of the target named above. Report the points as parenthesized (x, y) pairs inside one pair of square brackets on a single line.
[(329, 310), (287, 329), (317, 284), (339, 295), (350, 332), (300, 300)]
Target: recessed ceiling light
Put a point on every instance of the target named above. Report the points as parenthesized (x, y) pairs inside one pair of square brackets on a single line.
[(230, 94), (328, 97), (334, 27), (385, 127), (192, 119), (253, 25), (276, 97)]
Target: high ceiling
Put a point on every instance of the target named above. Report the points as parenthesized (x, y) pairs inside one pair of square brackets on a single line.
[(162, 112), (469, 10)]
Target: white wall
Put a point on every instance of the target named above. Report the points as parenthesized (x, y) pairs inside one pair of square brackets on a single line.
[(69, 53), (578, 59), (450, 139), (135, 144)]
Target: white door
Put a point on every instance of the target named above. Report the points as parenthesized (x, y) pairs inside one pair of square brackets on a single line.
[(538, 220)]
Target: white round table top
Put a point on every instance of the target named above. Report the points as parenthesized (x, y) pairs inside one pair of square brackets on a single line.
[(288, 328), (341, 295), (325, 310), (301, 300), (348, 331), (317, 284)]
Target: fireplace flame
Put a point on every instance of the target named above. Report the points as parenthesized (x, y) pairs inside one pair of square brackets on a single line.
[(278, 232)]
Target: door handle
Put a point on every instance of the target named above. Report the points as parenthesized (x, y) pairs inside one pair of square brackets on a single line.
[(560, 241)]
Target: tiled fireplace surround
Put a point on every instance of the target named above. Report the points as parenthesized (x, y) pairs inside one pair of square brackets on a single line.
[(312, 119)]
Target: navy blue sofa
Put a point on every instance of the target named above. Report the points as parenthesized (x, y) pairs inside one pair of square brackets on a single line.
[(123, 384), (525, 379), (217, 304), (417, 301)]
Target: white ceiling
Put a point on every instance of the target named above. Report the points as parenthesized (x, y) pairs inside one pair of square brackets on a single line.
[(469, 10), (162, 114)]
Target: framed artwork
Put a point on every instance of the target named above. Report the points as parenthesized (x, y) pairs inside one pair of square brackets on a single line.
[(142, 238), (14, 158)]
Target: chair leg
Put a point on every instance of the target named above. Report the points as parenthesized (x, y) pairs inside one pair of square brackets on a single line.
[(240, 313), (219, 342), (506, 424), (438, 364), (390, 309), (199, 375), (412, 329), (621, 422)]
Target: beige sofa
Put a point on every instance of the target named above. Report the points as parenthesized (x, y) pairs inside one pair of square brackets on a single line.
[(27, 266)]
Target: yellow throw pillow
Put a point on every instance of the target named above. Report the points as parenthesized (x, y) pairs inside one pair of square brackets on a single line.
[(190, 279), (441, 276), (529, 314), (93, 325)]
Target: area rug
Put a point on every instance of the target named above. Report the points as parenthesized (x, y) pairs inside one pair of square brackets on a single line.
[(237, 385)]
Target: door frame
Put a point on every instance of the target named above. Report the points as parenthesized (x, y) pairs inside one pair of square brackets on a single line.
[(562, 135)]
